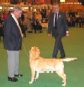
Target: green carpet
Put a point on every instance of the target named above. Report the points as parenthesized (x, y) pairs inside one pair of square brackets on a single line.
[(74, 47)]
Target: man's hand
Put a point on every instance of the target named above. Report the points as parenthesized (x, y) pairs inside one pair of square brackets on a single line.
[(67, 33)]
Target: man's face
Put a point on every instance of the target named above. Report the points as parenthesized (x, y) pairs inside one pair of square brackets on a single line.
[(55, 8), (18, 14)]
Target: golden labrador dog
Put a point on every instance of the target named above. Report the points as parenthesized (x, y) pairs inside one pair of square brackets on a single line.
[(39, 64)]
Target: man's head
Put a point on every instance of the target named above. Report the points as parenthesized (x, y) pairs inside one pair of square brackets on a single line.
[(55, 7), (17, 11)]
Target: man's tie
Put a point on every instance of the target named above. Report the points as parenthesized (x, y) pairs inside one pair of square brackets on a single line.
[(55, 20)]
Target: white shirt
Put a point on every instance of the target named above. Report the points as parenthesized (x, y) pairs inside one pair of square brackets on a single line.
[(17, 23)]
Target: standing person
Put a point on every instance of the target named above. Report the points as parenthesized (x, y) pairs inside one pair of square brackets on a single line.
[(12, 43), (58, 27)]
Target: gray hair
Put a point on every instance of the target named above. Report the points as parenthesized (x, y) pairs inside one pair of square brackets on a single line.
[(16, 8)]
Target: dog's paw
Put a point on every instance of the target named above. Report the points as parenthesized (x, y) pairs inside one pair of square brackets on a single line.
[(30, 82), (64, 84)]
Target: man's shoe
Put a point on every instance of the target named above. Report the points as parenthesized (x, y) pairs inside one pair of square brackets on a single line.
[(62, 57), (12, 79), (18, 75)]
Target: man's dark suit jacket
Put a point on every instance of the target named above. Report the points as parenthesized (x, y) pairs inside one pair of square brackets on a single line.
[(61, 25), (12, 36)]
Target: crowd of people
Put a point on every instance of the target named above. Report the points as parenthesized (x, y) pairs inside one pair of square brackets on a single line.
[(75, 19), (31, 21)]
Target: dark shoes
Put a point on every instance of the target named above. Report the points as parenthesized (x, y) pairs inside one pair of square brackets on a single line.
[(12, 79), (62, 57), (19, 75)]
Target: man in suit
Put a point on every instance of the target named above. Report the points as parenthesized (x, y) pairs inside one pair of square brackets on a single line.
[(12, 43), (57, 26)]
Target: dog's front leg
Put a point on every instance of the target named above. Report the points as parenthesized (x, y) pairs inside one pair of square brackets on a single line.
[(37, 75), (32, 76)]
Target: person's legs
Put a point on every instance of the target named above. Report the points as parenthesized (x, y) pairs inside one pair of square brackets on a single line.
[(11, 66), (16, 72), (11, 63), (61, 49), (56, 47)]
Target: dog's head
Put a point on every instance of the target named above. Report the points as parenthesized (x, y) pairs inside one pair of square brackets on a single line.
[(34, 52)]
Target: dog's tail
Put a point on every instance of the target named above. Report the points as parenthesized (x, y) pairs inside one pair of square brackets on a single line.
[(69, 59)]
